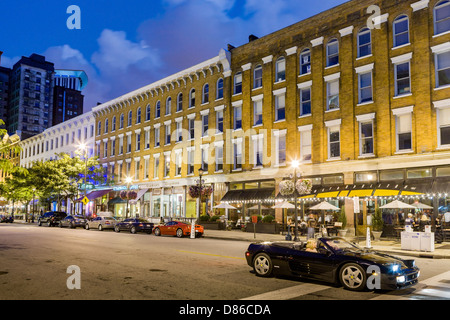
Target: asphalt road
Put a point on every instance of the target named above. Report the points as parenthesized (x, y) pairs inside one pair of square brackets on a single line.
[(34, 262)]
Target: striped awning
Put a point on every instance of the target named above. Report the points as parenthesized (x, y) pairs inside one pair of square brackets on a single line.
[(248, 195)]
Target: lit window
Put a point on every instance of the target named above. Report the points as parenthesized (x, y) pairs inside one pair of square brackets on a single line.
[(401, 31)]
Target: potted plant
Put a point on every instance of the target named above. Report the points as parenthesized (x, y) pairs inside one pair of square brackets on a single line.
[(377, 224), (342, 219)]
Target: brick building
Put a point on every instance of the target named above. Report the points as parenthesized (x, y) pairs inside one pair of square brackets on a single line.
[(361, 99)]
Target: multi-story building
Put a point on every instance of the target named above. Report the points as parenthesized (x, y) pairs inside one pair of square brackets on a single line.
[(359, 94), (4, 92), (67, 96), (31, 96)]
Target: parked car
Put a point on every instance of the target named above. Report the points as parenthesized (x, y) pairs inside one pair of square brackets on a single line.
[(101, 222), (134, 225), (332, 260), (51, 218), (73, 221), (6, 219), (177, 228)]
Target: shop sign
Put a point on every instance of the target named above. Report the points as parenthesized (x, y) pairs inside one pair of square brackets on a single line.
[(120, 188)]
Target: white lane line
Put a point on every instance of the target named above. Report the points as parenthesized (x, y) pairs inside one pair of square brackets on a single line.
[(289, 293)]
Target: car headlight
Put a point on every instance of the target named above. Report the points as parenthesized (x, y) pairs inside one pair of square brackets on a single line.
[(395, 268), (401, 279)]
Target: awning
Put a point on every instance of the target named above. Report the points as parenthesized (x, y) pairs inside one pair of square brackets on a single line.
[(95, 194), (140, 193), (416, 188), (248, 195), (116, 200), (387, 189), (441, 186)]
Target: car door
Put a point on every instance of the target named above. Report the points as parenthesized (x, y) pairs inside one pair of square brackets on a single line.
[(318, 265), (171, 228)]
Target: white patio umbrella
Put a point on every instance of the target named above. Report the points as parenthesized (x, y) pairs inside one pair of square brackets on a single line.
[(324, 206), (422, 206), (224, 206), (396, 204), (284, 205)]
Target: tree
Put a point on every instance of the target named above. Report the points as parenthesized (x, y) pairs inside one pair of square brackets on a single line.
[(9, 149)]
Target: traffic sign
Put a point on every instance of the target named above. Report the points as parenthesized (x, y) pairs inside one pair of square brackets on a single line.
[(85, 200)]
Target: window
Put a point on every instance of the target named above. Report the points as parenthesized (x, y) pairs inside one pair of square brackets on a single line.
[(257, 77), (166, 164), (106, 127), (219, 92), (178, 161), (205, 94), (128, 143), (137, 164), (238, 83), (442, 61), (404, 131), (237, 153), (147, 113), (257, 112), (146, 166), (180, 102), (190, 160), (443, 118), (191, 128), (332, 53), (364, 43), (120, 144), (192, 99), (333, 94), (168, 105), (205, 124), (158, 110), (305, 143), (113, 147), (179, 132), (156, 166), (419, 173), (365, 87), (280, 69), (138, 141), (280, 147), (238, 117), (157, 137), (442, 17), (121, 121), (219, 121), (366, 138), (258, 143), (280, 104), (138, 115), (392, 175), (204, 157), (334, 142), (99, 128), (113, 127), (402, 78), (305, 62), (305, 101), (219, 156), (167, 134), (147, 139), (130, 118), (401, 31)]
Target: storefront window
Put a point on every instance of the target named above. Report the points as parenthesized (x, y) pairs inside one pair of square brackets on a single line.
[(365, 176), (419, 173), (156, 206), (391, 175), (236, 186), (251, 185), (333, 179), (443, 172)]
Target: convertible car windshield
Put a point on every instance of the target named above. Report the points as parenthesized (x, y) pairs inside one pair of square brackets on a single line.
[(341, 244)]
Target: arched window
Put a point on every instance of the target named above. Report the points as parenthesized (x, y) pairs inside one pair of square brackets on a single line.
[(113, 124), (205, 94), (130, 118), (401, 31), (106, 125), (257, 77), (332, 53), (147, 112), (138, 115), (158, 109), (219, 94), (121, 121), (180, 102), (364, 42), (442, 17), (280, 69), (192, 98), (237, 83), (305, 62), (168, 105), (99, 128)]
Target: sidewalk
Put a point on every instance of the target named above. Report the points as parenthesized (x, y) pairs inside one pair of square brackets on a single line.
[(442, 250)]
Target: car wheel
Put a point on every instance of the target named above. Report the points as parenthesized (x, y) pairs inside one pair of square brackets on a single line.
[(179, 233), (39, 223), (100, 228), (116, 229), (86, 226), (157, 232), (353, 277), (133, 230), (49, 224), (60, 225), (262, 265)]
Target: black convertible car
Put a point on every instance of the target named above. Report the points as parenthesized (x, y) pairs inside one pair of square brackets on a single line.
[(332, 260)]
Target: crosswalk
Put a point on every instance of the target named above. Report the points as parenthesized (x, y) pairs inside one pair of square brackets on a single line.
[(434, 288)]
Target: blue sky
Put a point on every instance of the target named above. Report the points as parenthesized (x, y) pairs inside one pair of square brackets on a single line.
[(124, 45)]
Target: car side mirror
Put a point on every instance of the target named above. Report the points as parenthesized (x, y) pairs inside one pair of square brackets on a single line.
[(324, 251)]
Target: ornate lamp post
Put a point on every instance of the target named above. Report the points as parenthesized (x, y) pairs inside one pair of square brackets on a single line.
[(200, 174), (83, 148), (128, 181)]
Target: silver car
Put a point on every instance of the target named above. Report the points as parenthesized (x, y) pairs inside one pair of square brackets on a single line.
[(101, 223)]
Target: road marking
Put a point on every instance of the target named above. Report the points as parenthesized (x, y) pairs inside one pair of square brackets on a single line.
[(211, 254), (289, 293)]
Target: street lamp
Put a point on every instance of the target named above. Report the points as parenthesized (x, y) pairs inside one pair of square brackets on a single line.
[(295, 164), (128, 181), (83, 147)]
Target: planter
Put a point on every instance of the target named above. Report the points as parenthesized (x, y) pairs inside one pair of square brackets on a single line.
[(209, 225), (342, 232), (377, 235), (272, 228)]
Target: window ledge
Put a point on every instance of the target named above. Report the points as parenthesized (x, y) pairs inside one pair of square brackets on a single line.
[(403, 95), (441, 34), (363, 57), (442, 87), (332, 110), (365, 103), (402, 46), (404, 152)]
